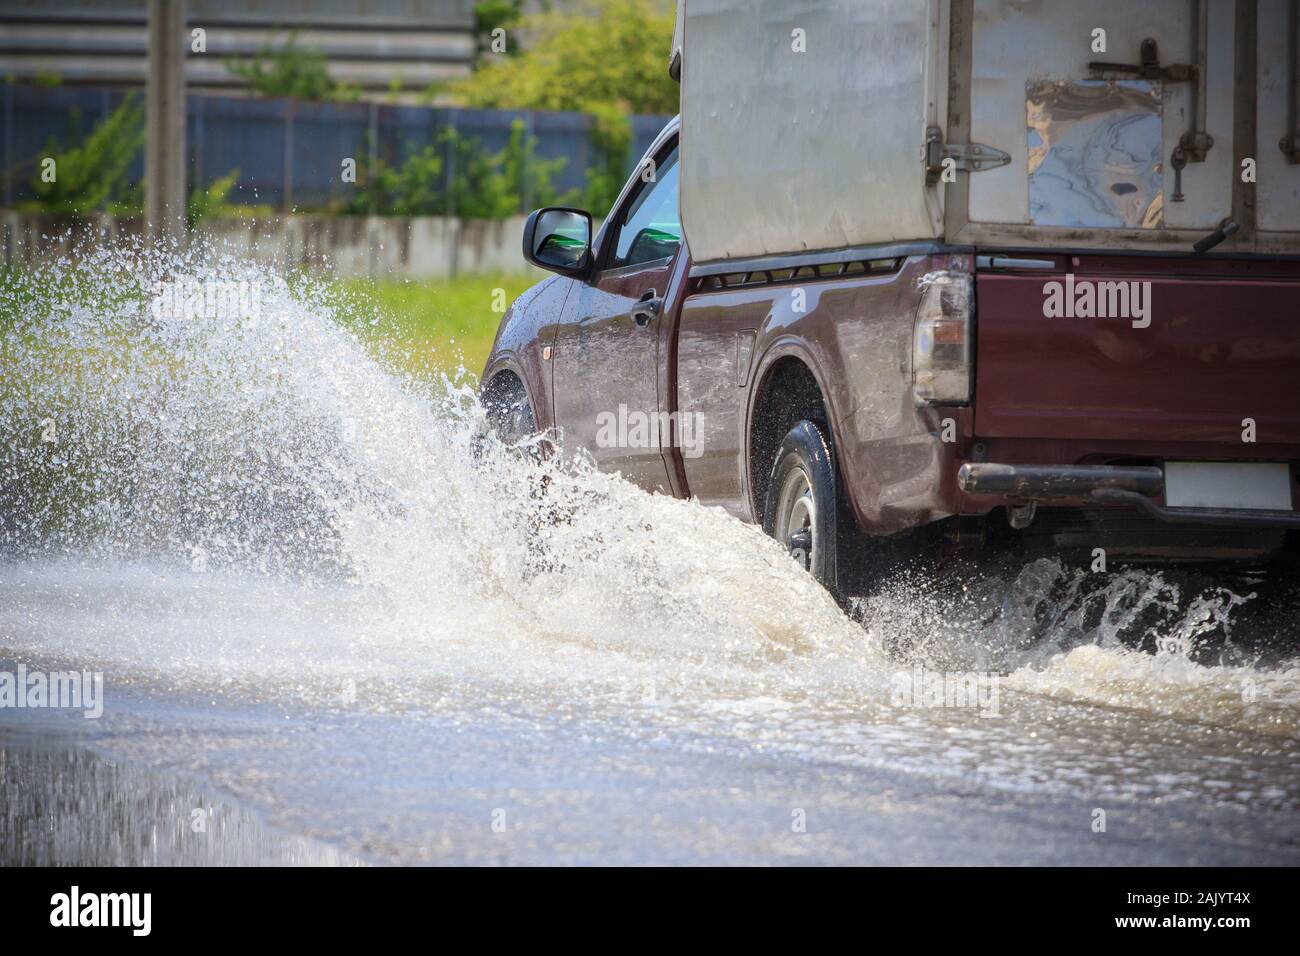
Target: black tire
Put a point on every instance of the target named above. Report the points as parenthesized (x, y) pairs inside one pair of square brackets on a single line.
[(509, 413), (802, 509)]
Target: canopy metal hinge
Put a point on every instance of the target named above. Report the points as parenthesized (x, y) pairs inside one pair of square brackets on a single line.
[(1290, 145), (1148, 69), (960, 157)]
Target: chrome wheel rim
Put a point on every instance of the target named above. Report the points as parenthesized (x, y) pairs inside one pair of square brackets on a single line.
[(797, 518)]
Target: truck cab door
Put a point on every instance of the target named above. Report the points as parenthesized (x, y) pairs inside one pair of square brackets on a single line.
[(606, 357)]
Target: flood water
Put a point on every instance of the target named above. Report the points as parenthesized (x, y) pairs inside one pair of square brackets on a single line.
[(334, 619)]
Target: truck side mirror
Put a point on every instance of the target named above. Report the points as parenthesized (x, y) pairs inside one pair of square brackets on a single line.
[(558, 239)]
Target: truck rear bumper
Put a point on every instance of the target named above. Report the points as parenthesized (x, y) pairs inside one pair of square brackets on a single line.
[(1119, 486)]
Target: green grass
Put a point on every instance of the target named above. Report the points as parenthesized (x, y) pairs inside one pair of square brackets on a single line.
[(424, 327), (429, 325)]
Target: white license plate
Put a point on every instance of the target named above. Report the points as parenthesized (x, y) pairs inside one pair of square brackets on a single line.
[(1243, 485)]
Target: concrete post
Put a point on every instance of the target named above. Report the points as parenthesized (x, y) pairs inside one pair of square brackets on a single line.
[(164, 164)]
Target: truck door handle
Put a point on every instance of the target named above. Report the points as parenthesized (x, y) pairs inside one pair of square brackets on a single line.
[(647, 307)]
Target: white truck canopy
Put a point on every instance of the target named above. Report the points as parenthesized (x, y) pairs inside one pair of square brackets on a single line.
[(820, 125)]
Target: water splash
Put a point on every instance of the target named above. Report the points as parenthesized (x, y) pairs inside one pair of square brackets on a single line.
[(234, 493), (275, 453), (1174, 643)]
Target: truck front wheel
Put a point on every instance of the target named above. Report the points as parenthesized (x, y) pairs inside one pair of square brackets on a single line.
[(802, 506), (509, 413)]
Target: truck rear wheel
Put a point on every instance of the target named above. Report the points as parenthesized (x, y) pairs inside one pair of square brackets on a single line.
[(802, 508)]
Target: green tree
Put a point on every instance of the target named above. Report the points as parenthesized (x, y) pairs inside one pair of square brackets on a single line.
[(606, 58), (491, 15), (92, 173), (590, 52)]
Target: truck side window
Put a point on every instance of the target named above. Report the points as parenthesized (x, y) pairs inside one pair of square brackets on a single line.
[(651, 227)]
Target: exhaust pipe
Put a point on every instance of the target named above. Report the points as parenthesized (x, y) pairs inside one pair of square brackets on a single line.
[(1057, 481)]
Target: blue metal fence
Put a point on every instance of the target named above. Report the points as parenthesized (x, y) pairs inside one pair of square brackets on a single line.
[(290, 154)]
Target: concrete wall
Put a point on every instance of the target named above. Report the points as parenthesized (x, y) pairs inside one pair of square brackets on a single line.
[(369, 43), (414, 248)]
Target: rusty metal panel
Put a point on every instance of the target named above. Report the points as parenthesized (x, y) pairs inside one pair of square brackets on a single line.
[(1094, 153), (1015, 43)]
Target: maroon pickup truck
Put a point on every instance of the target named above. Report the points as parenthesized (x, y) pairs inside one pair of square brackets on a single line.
[(1146, 405)]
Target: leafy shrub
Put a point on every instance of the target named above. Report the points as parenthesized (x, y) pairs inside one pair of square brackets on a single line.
[(291, 71), (92, 173), (482, 185), (606, 58)]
